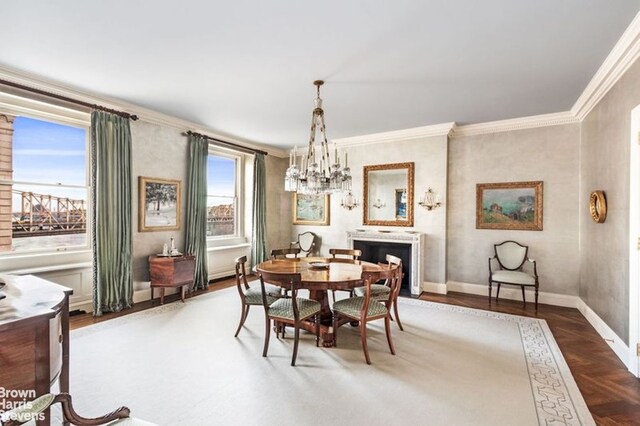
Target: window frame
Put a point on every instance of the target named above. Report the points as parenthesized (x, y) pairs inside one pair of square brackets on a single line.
[(239, 226), (70, 118)]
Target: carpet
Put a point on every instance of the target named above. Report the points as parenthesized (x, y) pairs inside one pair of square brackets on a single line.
[(179, 364)]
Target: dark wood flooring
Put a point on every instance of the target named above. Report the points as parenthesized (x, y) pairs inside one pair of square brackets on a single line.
[(610, 391)]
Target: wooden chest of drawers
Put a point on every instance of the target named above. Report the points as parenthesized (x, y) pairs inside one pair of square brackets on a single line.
[(171, 272)]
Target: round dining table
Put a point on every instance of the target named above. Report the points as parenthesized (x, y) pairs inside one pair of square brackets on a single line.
[(318, 275)]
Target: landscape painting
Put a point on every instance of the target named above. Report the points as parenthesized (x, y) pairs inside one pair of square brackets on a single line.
[(510, 205), (159, 208), (310, 209)]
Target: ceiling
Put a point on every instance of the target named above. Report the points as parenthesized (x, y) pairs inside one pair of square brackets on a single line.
[(245, 68)]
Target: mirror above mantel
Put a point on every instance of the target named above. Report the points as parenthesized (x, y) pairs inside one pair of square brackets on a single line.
[(388, 194)]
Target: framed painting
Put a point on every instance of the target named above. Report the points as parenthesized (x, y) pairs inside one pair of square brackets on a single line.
[(510, 205), (159, 208), (310, 209)]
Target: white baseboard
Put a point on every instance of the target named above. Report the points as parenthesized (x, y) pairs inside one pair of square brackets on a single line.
[(610, 337), (438, 288), (514, 293)]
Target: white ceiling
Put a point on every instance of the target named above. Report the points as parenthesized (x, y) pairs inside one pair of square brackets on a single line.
[(245, 68)]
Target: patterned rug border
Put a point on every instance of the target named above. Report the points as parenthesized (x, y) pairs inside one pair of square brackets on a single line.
[(557, 398)]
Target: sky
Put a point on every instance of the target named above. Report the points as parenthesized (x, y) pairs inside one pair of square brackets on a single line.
[(221, 175)]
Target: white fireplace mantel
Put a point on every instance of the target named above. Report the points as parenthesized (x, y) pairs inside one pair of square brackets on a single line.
[(416, 239)]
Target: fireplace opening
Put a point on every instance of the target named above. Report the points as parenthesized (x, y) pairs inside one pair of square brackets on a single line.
[(375, 251)]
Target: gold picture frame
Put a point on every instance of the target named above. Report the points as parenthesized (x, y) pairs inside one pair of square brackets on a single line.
[(393, 220), (509, 205), (311, 209), (159, 204)]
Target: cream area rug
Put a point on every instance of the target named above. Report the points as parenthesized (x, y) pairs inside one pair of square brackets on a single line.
[(179, 364)]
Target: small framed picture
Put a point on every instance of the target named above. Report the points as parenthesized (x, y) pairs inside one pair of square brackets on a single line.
[(509, 205), (160, 201), (310, 209)]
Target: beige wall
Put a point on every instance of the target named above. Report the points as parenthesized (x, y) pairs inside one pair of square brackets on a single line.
[(604, 154), (549, 154), (430, 158), (278, 204)]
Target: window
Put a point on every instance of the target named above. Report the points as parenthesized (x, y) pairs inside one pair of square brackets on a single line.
[(223, 207), (48, 187)]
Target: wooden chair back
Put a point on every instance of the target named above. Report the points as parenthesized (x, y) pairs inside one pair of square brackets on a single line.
[(347, 253), (241, 275), (282, 253), (289, 282), (306, 243)]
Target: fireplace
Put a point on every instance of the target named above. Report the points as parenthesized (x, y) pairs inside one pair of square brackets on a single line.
[(376, 251), (408, 246)]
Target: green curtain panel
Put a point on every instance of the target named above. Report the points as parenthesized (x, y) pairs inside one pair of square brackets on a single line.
[(196, 223), (112, 241), (258, 243)]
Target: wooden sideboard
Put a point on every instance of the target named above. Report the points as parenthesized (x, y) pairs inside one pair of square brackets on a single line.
[(34, 338), (171, 272)]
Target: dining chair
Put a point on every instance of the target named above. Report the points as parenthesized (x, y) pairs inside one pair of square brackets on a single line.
[(382, 291), (285, 253), (290, 311), (31, 411), (344, 256), (366, 309), (251, 296), (306, 243), (511, 257)]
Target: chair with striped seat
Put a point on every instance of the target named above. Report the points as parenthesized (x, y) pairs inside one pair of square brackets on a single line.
[(250, 296), (366, 309), (382, 291), (290, 311)]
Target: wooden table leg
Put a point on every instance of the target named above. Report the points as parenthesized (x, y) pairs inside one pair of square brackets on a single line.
[(182, 289), (162, 295)]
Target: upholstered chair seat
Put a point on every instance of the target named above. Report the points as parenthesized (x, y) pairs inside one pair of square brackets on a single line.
[(515, 277), (283, 308), (378, 291), (352, 307), (253, 296)]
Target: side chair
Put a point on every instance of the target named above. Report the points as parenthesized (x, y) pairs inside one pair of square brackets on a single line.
[(283, 253), (366, 309), (381, 292), (290, 311), (511, 257), (344, 256), (250, 296), (306, 243), (31, 411)]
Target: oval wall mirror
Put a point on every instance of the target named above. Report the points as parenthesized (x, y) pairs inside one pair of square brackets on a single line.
[(388, 194)]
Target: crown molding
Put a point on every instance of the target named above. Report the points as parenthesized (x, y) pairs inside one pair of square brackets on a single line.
[(443, 129), (621, 57), (522, 123), (144, 114)]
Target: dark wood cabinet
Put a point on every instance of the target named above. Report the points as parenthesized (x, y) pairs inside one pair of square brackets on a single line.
[(171, 272), (34, 338)]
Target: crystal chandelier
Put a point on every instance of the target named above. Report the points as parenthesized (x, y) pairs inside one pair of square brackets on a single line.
[(317, 173)]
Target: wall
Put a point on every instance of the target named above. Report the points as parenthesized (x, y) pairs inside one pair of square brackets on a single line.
[(430, 158), (549, 154), (604, 154), (278, 204)]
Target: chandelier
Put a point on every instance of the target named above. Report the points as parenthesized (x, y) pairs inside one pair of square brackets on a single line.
[(317, 173)]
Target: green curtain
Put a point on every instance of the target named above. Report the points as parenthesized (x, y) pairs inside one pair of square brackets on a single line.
[(258, 243), (196, 223), (112, 242)]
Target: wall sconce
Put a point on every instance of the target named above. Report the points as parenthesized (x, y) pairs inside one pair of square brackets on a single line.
[(431, 200), (349, 201), (379, 204)]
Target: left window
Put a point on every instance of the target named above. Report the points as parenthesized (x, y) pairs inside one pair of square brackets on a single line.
[(48, 187)]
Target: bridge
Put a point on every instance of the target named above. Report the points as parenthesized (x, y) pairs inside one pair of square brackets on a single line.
[(45, 214)]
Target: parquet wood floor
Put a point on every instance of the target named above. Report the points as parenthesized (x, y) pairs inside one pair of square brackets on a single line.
[(610, 391)]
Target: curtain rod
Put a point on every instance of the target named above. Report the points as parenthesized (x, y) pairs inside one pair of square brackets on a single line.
[(66, 99), (229, 144)]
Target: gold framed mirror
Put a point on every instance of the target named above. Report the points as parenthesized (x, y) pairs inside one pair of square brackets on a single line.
[(388, 194)]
